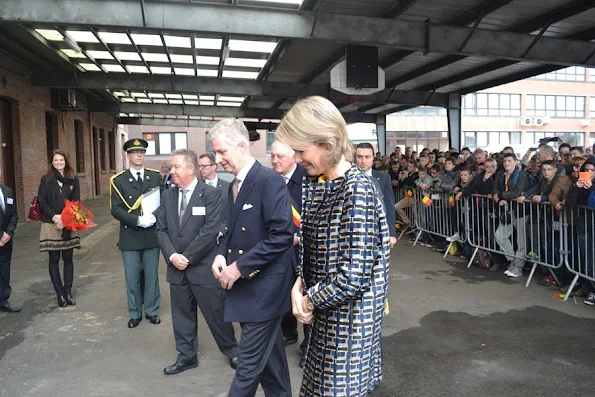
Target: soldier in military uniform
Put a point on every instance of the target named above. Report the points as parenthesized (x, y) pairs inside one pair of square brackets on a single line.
[(138, 241)]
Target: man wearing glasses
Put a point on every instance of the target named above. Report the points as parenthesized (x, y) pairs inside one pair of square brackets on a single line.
[(138, 241), (207, 169)]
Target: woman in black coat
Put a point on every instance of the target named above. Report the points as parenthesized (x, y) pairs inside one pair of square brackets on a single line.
[(58, 184)]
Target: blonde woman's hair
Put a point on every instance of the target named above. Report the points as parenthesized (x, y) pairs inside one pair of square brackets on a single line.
[(233, 132), (315, 120)]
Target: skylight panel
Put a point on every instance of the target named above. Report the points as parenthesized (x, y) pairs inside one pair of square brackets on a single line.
[(206, 73), (207, 60), (155, 57), (177, 41), (113, 68), (240, 75), (127, 56), (82, 36), (176, 101), (173, 96), (155, 95), (90, 67), (159, 100), (207, 44), (137, 69), (191, 102), (252, 46), (207, 103), (231, 99), (147, 39), (138, 94), (114, 38), (126, 99), (160, 70), (181, 58), (118, 93), (100, 54), (50, 34), (207, 97), (190, 96), (143, 100), (184, 71), (245, 62), (73, 54), (234, 104)]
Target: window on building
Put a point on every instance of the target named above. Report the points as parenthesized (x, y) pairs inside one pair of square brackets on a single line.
[(571, 138), (489, 104), (424, 111), (162, 143), (497, 139), (102, 149), (573, 73), (111, 143), (418, 140), (208, 147), (592, 111), (556, 106), (79, 146), (270, 140)]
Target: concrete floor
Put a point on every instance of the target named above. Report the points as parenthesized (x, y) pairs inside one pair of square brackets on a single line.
[(452, 331)]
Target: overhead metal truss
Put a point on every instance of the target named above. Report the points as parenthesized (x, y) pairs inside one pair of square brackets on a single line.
[(190, 123), (303, 25)]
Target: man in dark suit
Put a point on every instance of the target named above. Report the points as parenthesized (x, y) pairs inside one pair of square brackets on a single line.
[(187, 229), (208, 171), (254, 262), (8, 223), (364, 157), (283, 162), (138, 241), (166, 176)]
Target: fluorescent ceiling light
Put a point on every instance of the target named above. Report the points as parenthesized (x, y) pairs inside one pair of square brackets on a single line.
[(114, 38), (231, 99), (118, 93), (160, 70), (137, 94), (137, 69), (155, 95), (123, 115), (296, 2), (207, 60), (82, 36), (240, 75), (50, 34), (100, 54), (126, 99), (147, 39), (127, 56), (90, 67), (173, 96), (181, 58), (155, 57), (177, 41), (73, 54), (234, 104), (184, 71), (113, 68), (206, 73), (143, 100), (190, 96), (176, 101), (208, 44), (207, 97), (207, 103), (133, 114), (245, 62), (252, 46), (159, 101), (191, 102)]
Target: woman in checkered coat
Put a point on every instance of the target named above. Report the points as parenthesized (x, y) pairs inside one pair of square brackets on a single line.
[(343, 273)]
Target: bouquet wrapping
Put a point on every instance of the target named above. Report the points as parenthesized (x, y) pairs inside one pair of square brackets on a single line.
[(76, 216)]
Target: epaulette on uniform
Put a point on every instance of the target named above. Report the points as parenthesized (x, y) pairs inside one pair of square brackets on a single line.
[(117, 175), (151, 169)]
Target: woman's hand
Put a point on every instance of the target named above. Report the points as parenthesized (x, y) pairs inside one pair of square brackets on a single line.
[(297, 296), (57, 219)]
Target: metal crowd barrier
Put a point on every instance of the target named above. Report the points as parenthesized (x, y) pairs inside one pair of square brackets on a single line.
[(579, 245)]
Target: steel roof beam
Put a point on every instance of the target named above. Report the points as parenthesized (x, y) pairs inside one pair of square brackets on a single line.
[(305, 25), (251, 125)]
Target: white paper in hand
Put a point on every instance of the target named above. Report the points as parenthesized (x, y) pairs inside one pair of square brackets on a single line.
[(151, 201)]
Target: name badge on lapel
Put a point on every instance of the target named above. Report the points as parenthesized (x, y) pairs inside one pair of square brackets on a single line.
[(9, 200), (198, 211)]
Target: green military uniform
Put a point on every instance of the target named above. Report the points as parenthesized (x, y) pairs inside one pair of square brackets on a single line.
[(139, 245)]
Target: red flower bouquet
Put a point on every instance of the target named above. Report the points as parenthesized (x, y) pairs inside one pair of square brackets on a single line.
[(76, 216)]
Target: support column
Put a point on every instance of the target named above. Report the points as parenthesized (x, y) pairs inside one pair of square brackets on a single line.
[(381, 132), (454, 115)]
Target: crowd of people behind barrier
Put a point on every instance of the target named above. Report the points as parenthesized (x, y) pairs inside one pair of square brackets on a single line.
[(502, 211)]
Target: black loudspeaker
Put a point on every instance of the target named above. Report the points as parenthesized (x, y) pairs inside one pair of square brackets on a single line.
[(362, 66)]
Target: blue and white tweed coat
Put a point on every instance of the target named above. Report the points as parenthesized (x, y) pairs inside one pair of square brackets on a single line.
[(344, 261)]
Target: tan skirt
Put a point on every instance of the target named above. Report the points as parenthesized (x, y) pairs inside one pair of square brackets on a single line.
[(53, 239)]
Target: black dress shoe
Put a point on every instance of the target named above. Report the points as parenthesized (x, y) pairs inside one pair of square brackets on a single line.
[(7, 307), (134, 322), (233, 363), (69, 300), (289, 341), (178, 367), (153, 319), (61, 301), (303, 360)]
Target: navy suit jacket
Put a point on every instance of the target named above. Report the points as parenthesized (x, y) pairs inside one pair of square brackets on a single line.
[(383, 182), (259, 238)]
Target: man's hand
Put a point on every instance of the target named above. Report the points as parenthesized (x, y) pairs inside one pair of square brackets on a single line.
[(502, 203), (560, 206), (495, 197), (536, 199), (458, 196), (393, 241), (296, 240), (146, 221), (219, 264), (5, 239), (229, 276), (519, 199), (180, 262)]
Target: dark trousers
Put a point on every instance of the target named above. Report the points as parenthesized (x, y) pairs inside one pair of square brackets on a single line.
[(261, 359), (210, 299), (289, 327), (54, 266), (5, 257)]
